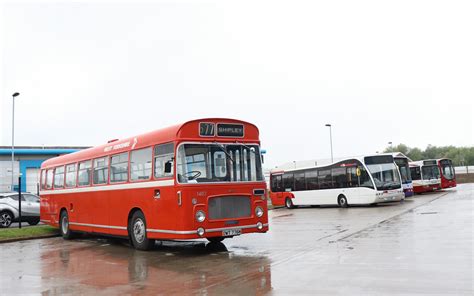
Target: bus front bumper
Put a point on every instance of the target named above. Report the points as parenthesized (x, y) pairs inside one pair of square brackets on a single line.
[(389, 195), (202, 232)]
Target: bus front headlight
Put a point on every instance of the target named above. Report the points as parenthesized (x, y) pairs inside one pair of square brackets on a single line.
[(259, 212), (200, 216)]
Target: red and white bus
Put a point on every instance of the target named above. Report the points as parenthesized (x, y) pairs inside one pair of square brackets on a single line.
[(425, 175), (199, 179), (448, 177)]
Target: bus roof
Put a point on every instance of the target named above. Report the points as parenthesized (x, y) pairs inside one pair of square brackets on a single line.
[(324, 163), (188, 131)]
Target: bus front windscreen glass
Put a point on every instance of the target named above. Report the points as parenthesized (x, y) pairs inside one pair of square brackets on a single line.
[(447, 169), (208, 163), (430, 172), (384, 172)]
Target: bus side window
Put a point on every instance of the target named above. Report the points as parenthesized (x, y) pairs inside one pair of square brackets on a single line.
[(119, 167), (325, 179), (300, 182), (43, 179), (59, 177), (312, 180), (288, 182), (164, 153), (49, 179), (140, 164), (84, 173), (365, 179)]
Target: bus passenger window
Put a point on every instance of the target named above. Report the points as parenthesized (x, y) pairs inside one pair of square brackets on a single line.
[(84, 173), (140, 164), (163, 153), (119, 167), (49, 179), (59, 177), (43, 179), (101, 171), (71, 175)]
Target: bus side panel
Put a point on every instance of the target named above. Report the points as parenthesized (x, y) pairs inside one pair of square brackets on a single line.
[(316, 197), (277, 198), (158, 211)]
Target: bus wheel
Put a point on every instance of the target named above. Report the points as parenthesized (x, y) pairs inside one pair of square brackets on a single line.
[(137, 232), (217, 239), (289, 203), (342, 201), (64, 229)]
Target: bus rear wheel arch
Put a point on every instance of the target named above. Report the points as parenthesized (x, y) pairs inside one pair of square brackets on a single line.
[(137, 232), (342, 201)]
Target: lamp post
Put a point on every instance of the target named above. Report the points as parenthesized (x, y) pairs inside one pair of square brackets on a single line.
[(330, 139), (391, 146), (13, 137)]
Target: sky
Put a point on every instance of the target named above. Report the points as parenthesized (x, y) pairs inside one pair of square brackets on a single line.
[(378, 71)]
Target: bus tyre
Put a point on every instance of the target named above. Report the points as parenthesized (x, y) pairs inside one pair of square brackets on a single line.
[(289, 203), (216, 239), (137, 232), (64, 229), (342, 201)]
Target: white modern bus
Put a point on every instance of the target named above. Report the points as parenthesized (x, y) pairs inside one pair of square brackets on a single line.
[(353, 181)]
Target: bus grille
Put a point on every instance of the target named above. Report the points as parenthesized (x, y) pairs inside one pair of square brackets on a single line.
[(229, 207)]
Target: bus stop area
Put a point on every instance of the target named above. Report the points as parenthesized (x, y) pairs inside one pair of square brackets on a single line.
[(423, 246)]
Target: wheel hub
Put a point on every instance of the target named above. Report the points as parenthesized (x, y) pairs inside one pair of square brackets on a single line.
[(64, 225), (139, 230), (5, 220)]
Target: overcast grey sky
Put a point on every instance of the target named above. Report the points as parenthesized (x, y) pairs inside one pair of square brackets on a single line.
[(379, 71)]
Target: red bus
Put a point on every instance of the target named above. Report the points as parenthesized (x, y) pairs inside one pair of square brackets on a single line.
[(199, 179), (425, 175), (448, 177)]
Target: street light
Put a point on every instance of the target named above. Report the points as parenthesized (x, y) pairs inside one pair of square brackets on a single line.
[(330, 139), (13, 137), (391, 146)]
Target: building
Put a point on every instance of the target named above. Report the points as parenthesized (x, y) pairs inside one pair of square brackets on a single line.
[(28, 160)]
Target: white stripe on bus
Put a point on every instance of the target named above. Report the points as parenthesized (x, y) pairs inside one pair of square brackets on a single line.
[(165, 230), (110, 187), (98, 226)]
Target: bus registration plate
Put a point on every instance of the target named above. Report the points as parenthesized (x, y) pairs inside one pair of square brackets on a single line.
[(231, 232)]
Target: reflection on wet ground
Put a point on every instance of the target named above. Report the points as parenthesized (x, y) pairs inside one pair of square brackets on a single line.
[(423, 245)]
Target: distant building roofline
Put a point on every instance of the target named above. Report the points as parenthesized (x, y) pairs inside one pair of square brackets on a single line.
[(45, 147), (40, 150)]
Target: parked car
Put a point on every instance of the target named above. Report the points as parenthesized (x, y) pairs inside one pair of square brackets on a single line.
[(30, 208)]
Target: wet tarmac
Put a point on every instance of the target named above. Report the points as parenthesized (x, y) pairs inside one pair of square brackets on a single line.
[(421, 246)]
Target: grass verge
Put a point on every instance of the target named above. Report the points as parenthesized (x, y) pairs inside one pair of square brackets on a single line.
[(27, 232)]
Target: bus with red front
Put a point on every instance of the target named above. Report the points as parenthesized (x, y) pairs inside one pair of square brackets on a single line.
[(199, 179), (425, 175), (448, 177)]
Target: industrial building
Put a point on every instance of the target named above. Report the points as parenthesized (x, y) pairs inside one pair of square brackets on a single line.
[(27, 161)]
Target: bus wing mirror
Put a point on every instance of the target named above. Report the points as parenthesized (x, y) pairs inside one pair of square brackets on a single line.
[(263, 158), (168, 166)]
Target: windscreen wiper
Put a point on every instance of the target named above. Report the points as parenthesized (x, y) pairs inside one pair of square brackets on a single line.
[(222, 148)]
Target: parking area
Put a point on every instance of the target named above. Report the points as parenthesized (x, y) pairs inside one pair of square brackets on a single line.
[(423, 245)]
